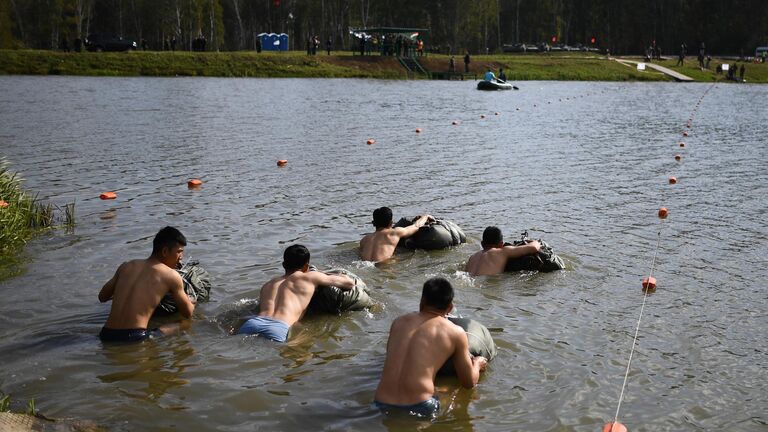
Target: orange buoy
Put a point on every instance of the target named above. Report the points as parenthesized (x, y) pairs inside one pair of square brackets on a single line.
[(517, 109), (3, 204), (482, 116), (371, 141), (682, 144), (614, 427), (282, 162), (455, 123), (663, 213), (685, 134), (649, 283), (678, 157), (418, 130), (108, 195), (672, 180), (496, 113), (194, 183)]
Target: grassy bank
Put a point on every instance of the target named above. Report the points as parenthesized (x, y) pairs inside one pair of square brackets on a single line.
[(519, 67), (756, 73), (226, 64), (21, 216)]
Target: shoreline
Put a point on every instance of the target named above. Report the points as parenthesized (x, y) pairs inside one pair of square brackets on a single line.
[(297, 64)]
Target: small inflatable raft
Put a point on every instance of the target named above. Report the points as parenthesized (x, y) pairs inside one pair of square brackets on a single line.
[(494, 85)]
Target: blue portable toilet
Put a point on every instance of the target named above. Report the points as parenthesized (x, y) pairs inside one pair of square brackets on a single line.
[(269, 41), (262, 39), (283, 39), (274, 42)]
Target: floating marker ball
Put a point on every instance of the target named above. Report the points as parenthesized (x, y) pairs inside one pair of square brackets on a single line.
[(682, 144), (685, 134), (663, 213), (418, 130), (282, 162), (649, 283), (677, 157), (455, 123), (108, 196), (672, 180), (371, 141), (194, 183), (614, 427)]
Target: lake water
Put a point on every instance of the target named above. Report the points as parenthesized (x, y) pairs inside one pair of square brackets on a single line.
[(583, 166)]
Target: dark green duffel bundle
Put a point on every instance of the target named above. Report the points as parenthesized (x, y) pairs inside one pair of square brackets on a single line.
[(197, 285), (333, 300), (439, 234), (544, 261), (480, 342)]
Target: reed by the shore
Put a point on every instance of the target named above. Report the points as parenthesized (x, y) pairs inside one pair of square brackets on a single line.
[(21, 217)]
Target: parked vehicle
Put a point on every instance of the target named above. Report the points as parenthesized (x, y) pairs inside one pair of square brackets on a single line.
[(99, 42), (516, 47)]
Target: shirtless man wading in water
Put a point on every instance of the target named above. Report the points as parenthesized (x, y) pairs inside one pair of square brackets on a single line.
[(418, 346), (492, 259), (284, 299), (138, 286), (381, 244)]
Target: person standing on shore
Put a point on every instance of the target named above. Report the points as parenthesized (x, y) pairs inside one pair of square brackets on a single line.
[(328, 45), (681, 56), (742, 69), (466, 62)]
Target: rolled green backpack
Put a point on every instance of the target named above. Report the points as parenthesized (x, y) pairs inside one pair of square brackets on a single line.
[(333, 300), (439, 234), (544, 261), (197, 285), (480, 342)]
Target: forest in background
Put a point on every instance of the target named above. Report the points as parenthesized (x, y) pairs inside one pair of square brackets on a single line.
[(623, 26)]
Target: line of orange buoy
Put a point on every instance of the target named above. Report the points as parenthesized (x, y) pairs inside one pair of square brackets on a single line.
[(196, 183), (649, 283)]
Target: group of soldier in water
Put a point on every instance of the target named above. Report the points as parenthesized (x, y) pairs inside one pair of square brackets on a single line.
[(419, 342)]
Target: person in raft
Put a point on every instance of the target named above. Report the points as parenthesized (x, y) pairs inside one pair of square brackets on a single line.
[(489, 76), (284, 299), (418, 346), (492, 259), (138, 286), (381, 244)]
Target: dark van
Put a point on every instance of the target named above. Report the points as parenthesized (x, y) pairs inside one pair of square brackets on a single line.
[(106, 42)]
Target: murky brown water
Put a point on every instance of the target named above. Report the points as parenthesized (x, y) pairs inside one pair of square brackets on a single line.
[(582, 165)]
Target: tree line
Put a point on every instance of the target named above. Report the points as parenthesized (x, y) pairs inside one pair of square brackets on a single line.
[(622, 26)]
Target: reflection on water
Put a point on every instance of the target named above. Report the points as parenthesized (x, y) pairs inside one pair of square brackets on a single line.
[(148, 370), (585, 169)]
